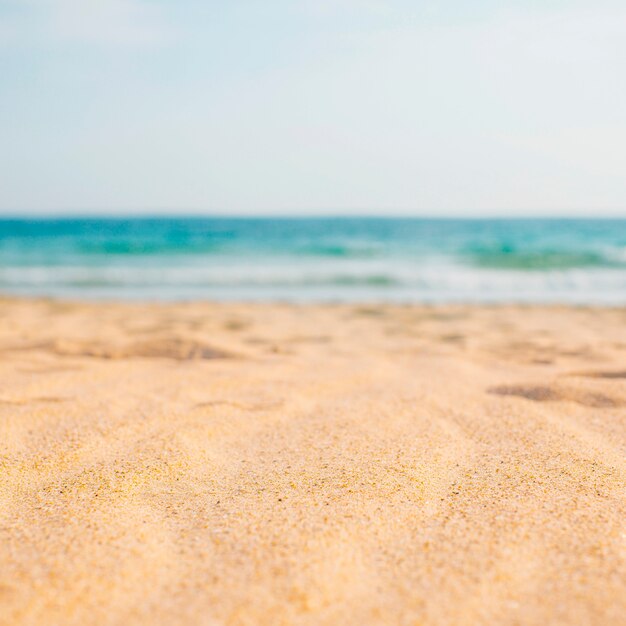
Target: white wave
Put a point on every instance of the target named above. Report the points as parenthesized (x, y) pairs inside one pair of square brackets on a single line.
[(321, 280)]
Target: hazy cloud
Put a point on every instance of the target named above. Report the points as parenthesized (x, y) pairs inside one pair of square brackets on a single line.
[(94, 22), (332, 7)]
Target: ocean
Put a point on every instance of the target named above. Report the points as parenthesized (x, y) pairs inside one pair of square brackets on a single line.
[(317, 260)]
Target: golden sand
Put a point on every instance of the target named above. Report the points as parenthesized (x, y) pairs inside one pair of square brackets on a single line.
[(319, 465)]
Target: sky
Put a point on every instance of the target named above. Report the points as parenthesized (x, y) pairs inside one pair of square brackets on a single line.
[(404, 107)]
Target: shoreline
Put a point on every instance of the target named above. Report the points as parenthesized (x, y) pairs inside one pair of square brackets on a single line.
[(269, 302)]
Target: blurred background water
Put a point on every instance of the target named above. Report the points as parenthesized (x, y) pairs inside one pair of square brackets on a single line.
[(317, 259)]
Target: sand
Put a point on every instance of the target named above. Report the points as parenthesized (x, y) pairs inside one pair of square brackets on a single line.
[(278, 464)]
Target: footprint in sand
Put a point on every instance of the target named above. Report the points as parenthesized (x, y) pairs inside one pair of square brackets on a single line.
[(168, 348), (544, 393), (42, 399), (609, 375)]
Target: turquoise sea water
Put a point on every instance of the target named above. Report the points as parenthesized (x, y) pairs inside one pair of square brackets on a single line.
[(325, 259)]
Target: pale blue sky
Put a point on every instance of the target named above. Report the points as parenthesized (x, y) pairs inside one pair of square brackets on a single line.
[(454, 107)]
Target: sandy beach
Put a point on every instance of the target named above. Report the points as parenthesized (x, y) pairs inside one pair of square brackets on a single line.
[(238, 464)]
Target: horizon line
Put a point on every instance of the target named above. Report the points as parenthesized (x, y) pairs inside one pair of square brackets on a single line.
[(139, 215)]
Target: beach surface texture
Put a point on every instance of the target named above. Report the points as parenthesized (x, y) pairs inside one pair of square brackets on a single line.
[(225, 464)]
